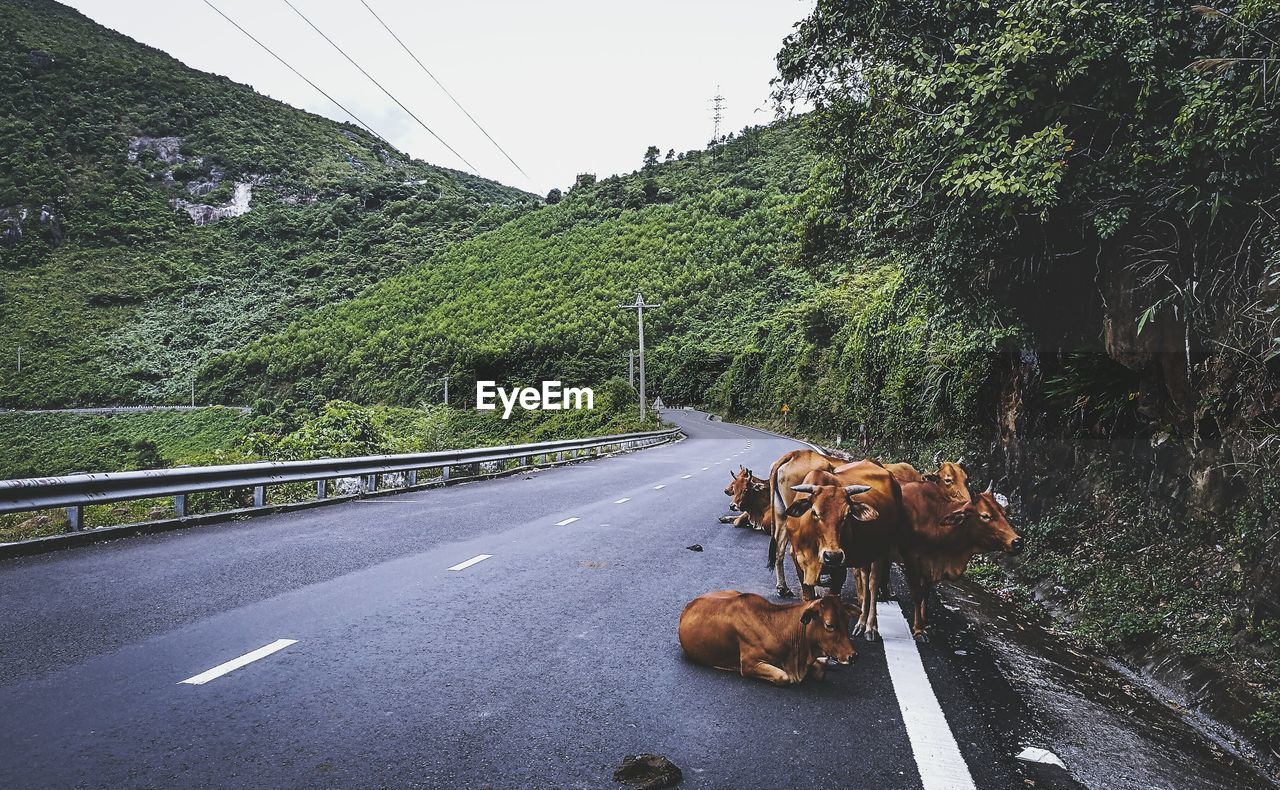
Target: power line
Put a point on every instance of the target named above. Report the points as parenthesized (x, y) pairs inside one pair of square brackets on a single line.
[(379, 84), (285, 63), (442, 87)]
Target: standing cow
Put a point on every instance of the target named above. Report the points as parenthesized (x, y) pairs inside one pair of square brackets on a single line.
[(942, 534), (789, 470), (848, 518)]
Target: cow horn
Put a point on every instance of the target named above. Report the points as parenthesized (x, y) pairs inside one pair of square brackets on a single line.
[(990, 487), (937, 459), (960, 462), (856, 489), (732, 476), (804, 488)]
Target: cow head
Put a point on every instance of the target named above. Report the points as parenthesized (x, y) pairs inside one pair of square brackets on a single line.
[(951, 478), (743, 485), (815, 519), (981, 524), (826, 625)]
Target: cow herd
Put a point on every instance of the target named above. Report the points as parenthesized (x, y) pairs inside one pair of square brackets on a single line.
[(832, 516)]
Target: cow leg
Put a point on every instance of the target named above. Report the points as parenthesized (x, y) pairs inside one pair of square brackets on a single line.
[(882, 572), (868, 623), (919, 594), (752, 668), (817, 670), (740, 520), (780, 570), (870, 616)]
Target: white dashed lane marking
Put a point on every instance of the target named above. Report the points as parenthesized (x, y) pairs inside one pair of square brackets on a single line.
[(620, 501), (705, 468), (567, 521), (236, 663), (462, 566), (659, 487)]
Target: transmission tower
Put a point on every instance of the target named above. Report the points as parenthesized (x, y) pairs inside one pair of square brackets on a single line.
[(717, 107)]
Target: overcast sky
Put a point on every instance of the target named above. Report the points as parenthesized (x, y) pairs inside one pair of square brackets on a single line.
[(565, 86)]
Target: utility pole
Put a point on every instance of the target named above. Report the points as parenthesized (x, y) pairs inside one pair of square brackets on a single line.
[(445, 379), (19, 360), (631, 368), (193, 388), (640, 307)]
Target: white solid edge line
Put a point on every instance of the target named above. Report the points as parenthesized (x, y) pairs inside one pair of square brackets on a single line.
[(236, 663), (462, 566), (567, 521), (620, 501), (933, 745), (660, 487)]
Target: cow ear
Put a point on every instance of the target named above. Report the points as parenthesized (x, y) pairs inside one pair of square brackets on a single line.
[(957, 516), (863, 512), (807, 616), (933, 478), (799, 507), (758, 487), (852, 611)]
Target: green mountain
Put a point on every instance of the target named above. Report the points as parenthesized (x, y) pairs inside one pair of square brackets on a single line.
[(126, 251), (711, 235)]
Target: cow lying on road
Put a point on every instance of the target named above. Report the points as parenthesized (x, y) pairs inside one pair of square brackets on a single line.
[(781, 643), (749, 496)]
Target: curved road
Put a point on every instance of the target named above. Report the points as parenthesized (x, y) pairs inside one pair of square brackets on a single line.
[(540, 665)]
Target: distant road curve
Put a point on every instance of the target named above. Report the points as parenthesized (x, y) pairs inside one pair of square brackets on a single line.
[(122, 409)]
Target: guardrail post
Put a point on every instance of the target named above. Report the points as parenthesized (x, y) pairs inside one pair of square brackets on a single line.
[(259, 496), (75, 518), (524, 461), (372, 484), (180, 505), (411, 478), (444, 473), (322, 489)]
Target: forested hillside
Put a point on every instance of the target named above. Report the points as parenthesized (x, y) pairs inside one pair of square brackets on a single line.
[(712, 235), (126, 253)]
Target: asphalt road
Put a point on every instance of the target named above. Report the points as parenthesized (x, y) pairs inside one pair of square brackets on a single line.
[(542, 665)]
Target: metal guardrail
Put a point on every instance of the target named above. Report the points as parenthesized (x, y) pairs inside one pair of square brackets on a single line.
[(75, 492)]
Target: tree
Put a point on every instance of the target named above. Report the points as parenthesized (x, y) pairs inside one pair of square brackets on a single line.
[(553, 197), (671, 154), (651, 157)]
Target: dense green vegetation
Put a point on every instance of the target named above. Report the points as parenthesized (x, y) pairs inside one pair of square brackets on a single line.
[(709, 235), (117, 297), (1093, 189)]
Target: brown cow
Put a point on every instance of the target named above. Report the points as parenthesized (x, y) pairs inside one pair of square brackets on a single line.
[(951, 476), (781, 643), (941, 535), (953, 480), (749, 496), (859, 506), (788, 471), (904, 472)]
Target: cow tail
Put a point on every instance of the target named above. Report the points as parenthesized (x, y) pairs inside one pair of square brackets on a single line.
[(778, 506)]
